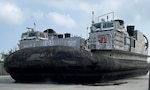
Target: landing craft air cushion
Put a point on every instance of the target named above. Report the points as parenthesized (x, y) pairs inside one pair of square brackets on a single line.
[(111, 52)]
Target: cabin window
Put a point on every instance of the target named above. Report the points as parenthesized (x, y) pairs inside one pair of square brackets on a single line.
[(24, 36), (32, 34), (102, 26), (108, 25), (96, 26), (42, 35)]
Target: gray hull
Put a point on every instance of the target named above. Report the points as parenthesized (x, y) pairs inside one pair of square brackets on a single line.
[(66, 64)]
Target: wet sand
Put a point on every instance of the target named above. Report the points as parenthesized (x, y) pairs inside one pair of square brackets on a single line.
[(136, 83)]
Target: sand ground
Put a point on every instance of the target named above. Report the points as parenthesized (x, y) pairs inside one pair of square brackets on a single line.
[(136, 83)]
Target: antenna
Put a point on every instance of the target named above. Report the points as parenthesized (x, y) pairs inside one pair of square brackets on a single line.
[(87, 32), (113, 15), (92, 17), (34, 26), (107, 15)]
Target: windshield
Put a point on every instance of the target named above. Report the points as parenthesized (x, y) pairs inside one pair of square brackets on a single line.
[(32, 34), (102, 26), (96, 26), (24, 36), (108, 25)]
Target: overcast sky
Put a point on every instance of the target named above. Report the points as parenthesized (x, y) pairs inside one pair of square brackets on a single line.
[(72, 16)]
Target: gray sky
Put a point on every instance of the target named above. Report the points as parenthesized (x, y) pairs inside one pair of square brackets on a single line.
[(72, 16)]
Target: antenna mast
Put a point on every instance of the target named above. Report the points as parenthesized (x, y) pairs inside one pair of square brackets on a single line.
[(92, 17), (87, 32), (34, 26)]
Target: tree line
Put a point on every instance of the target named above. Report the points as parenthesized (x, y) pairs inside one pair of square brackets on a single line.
[(5, 54)]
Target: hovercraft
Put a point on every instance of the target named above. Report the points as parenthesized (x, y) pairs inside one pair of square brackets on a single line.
[(111, 52)]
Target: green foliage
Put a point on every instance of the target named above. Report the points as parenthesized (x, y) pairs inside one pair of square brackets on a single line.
[(4, 55), (1, 61)]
